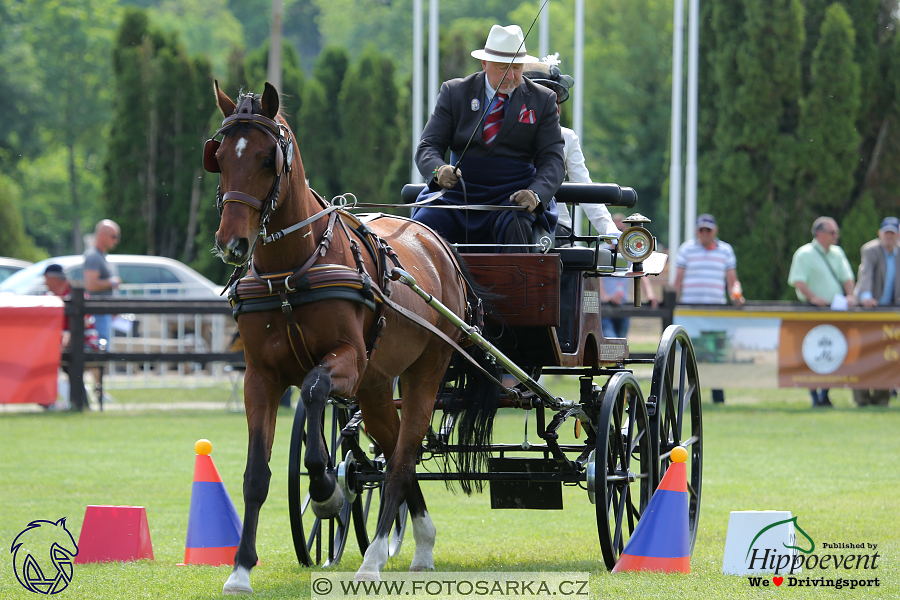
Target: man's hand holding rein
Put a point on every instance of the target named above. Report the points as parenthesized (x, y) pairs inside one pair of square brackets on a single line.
[(447, 176)]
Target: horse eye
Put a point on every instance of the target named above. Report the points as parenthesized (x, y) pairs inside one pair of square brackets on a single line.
[(269, 163)]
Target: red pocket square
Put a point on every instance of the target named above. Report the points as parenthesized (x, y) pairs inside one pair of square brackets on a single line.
[(526, 116)]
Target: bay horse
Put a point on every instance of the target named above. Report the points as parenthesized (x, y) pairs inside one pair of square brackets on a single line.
[(324, 346)]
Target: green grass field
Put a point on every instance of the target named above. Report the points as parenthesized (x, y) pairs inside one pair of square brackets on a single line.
[(765, 449)]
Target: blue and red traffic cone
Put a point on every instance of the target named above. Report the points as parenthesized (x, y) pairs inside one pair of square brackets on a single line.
[(214, 527), (661, 541)]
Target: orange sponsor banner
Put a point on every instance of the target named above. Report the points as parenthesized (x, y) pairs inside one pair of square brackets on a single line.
[(30, 337), (854, 350)]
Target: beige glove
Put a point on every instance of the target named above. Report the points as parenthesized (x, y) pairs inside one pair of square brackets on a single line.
[(447, 176), (526, 198)]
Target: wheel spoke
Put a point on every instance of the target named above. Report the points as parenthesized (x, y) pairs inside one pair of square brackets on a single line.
[(618, 542)]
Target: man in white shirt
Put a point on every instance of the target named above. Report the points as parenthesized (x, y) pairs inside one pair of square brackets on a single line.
[(706, 265)]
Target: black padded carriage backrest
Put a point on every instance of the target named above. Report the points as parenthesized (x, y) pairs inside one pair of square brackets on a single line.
[(610, 194)]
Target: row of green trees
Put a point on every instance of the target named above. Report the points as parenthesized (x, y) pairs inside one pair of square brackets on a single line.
[(799, 103), (111, 106)]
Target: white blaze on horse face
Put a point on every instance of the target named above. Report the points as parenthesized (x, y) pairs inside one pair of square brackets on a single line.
[(242, 143)]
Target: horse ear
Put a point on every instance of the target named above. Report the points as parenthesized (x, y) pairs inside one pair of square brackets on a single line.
[(270, 101), (225, 104)]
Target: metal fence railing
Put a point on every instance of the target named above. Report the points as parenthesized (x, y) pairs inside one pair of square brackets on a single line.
[(162, 350)]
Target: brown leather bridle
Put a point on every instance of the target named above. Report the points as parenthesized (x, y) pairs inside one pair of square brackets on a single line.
[(284, 157)]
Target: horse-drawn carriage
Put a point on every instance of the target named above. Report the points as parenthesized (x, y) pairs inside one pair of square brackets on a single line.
[(381, 300)]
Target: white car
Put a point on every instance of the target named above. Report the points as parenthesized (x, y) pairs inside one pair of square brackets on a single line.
[(8, 266), (142, 276)]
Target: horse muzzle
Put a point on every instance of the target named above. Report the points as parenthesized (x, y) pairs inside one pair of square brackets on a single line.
[(236, 251)]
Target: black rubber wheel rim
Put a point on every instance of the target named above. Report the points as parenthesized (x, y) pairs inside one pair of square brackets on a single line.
[(317, 542), (624, 460), (678, 419)]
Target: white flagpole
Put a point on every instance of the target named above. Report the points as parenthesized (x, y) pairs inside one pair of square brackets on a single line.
[(690, 184), (578, 95), (675, 152), (418, 85)]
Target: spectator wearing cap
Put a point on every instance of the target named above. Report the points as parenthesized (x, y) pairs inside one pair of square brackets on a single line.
[(878, 284), (56, 281), (506, 149), (58, 284), (547, 73), (706, 265), (819, 272)]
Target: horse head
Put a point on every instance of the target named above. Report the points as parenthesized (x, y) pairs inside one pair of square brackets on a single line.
[(254, 160)]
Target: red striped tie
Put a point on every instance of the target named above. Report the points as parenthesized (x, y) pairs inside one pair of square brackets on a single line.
[(494, 119)]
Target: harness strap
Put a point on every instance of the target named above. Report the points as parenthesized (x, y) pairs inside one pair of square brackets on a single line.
[(280, 234), (251, 201)]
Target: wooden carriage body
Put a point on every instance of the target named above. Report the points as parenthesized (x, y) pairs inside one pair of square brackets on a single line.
[(550, 312)]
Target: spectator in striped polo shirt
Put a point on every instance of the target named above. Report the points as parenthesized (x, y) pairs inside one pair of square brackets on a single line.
[(707, 268)]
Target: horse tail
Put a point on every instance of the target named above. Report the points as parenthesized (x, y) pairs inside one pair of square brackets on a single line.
[(470, 402), (470, 399)]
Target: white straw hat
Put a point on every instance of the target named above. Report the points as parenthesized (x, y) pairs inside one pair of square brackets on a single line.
[(505, 45)]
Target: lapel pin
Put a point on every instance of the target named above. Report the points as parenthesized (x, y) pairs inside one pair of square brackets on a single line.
[(475, 104)]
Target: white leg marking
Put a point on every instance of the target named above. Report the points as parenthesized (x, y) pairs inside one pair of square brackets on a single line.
[(424, 534), (238, 582), (374, 560), (242, 143)]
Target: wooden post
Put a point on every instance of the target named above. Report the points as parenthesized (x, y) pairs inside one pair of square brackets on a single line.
[(75, 312), (669, 299)]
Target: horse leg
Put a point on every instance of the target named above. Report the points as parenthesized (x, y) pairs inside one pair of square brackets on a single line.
[(401, 484), (262, 407), (424, 531), (326, 497), (338, 373)]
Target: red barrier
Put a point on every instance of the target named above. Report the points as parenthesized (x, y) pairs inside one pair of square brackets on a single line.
[(30, 337)]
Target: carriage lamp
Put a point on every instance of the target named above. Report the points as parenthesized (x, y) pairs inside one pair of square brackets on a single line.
[(636, 244)]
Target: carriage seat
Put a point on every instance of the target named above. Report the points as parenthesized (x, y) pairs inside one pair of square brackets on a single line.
[(583, 259)]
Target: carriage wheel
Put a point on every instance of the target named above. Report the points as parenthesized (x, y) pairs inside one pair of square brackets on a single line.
[(317, 542), (677, 419), (622, 466)]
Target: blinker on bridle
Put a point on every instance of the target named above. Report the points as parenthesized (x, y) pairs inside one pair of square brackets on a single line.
[(284, 157)]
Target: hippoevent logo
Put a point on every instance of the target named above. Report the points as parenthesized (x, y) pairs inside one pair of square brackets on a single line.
[(839, 568), (42, 556)]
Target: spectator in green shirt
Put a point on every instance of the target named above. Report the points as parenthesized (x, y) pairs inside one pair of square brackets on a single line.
[(819, 272), (820, 269)]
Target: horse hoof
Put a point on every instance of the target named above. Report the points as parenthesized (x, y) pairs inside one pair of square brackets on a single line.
[(367, 576), (331, 507), (420, 569), (238, 582)]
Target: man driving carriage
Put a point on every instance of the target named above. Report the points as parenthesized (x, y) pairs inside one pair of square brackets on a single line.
[(506, 149)]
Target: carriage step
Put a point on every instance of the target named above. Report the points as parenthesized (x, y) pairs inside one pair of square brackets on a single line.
[(536, 495)]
